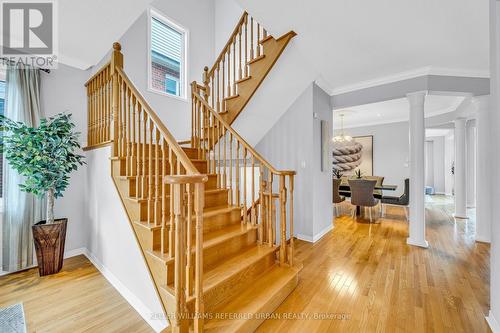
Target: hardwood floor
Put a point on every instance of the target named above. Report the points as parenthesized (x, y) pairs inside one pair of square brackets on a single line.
[(374, 282), (363, 276), (77, 299)]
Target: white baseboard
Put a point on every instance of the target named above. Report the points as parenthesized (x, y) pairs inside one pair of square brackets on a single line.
[(156, 324), (305, 238), (316, 237), (415, 242), (483, 239), (493, 323), (75, 252)]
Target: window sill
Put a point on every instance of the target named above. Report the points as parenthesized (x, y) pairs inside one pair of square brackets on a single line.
[(182, 99)]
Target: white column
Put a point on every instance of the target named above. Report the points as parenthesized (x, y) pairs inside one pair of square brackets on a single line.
[(417, 169), (483, 175), (471, 163), (460, 167)]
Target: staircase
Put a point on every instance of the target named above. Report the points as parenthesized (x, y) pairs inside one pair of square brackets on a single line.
[(243, 64), (213, 219)]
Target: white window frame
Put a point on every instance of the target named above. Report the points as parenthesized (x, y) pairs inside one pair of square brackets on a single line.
[(154, 13)]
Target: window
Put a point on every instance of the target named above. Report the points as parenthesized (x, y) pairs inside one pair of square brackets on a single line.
[(167, 56)]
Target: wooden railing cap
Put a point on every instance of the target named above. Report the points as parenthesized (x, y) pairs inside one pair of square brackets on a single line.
[(186, 179)]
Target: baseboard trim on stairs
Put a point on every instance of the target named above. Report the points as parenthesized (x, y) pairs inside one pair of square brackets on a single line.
[(316, 237), (493, 323), (158, 325)]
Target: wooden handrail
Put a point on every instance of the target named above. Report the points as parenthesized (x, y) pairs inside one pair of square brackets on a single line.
[(242, 141), (98, 72), (229, 42), (176, 148)]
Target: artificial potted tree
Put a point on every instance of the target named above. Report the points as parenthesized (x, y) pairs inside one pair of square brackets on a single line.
[(44, 156)]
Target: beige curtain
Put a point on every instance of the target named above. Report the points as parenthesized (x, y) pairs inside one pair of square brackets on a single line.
[(20, 210)]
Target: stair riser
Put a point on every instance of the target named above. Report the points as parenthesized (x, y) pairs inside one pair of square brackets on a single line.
[(212, 199), (143, 168), (231, 287), (211, 184), (192, 153), (250, 326), (211, 223), (218, 253), (231, 246)]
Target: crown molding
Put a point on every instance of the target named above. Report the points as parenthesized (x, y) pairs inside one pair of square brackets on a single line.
[(423, 71)]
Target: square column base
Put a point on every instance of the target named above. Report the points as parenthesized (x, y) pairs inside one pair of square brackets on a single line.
[(419, 243)]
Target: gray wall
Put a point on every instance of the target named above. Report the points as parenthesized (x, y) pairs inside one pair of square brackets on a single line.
[(390, 152), (322, 179), (288, 146), (63, 91), (294, 143)]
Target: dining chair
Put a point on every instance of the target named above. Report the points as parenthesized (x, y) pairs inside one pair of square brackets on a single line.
[(337, 198), (362, 194), (402, 201), (380, 181), (344, 182)]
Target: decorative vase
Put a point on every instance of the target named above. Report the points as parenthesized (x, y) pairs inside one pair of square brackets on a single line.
[(49, 245)]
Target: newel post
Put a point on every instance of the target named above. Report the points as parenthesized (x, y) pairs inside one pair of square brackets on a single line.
[(116, 62), (290, 252)]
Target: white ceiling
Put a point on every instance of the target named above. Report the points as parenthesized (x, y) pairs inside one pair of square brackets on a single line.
[(87, 29), (350, 42), (393, 111)]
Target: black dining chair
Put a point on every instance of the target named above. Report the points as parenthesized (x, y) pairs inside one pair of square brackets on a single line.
[(401, 201)]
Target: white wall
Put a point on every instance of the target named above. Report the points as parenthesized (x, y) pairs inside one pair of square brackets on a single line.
[(198, 18), (438, 157), (111, 244), (494, 142), (63, 91), (390, 152), (227, 14), (429, 163), (449, 157), (471, 159)]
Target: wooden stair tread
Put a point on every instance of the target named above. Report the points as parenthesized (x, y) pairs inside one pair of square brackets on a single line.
[(243, 79), (262, 56), (207, 212), (235, 264), (231, 97), (256, 299), (263, 40), (207, 192), (210, 175), (220, 273), (210, 239), (219, 236)]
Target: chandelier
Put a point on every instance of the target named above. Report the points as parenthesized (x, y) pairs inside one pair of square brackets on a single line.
[(342, 137)]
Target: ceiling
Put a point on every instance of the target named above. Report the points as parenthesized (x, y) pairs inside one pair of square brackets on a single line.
[(350, 42), (394, 111), (85, 32)]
